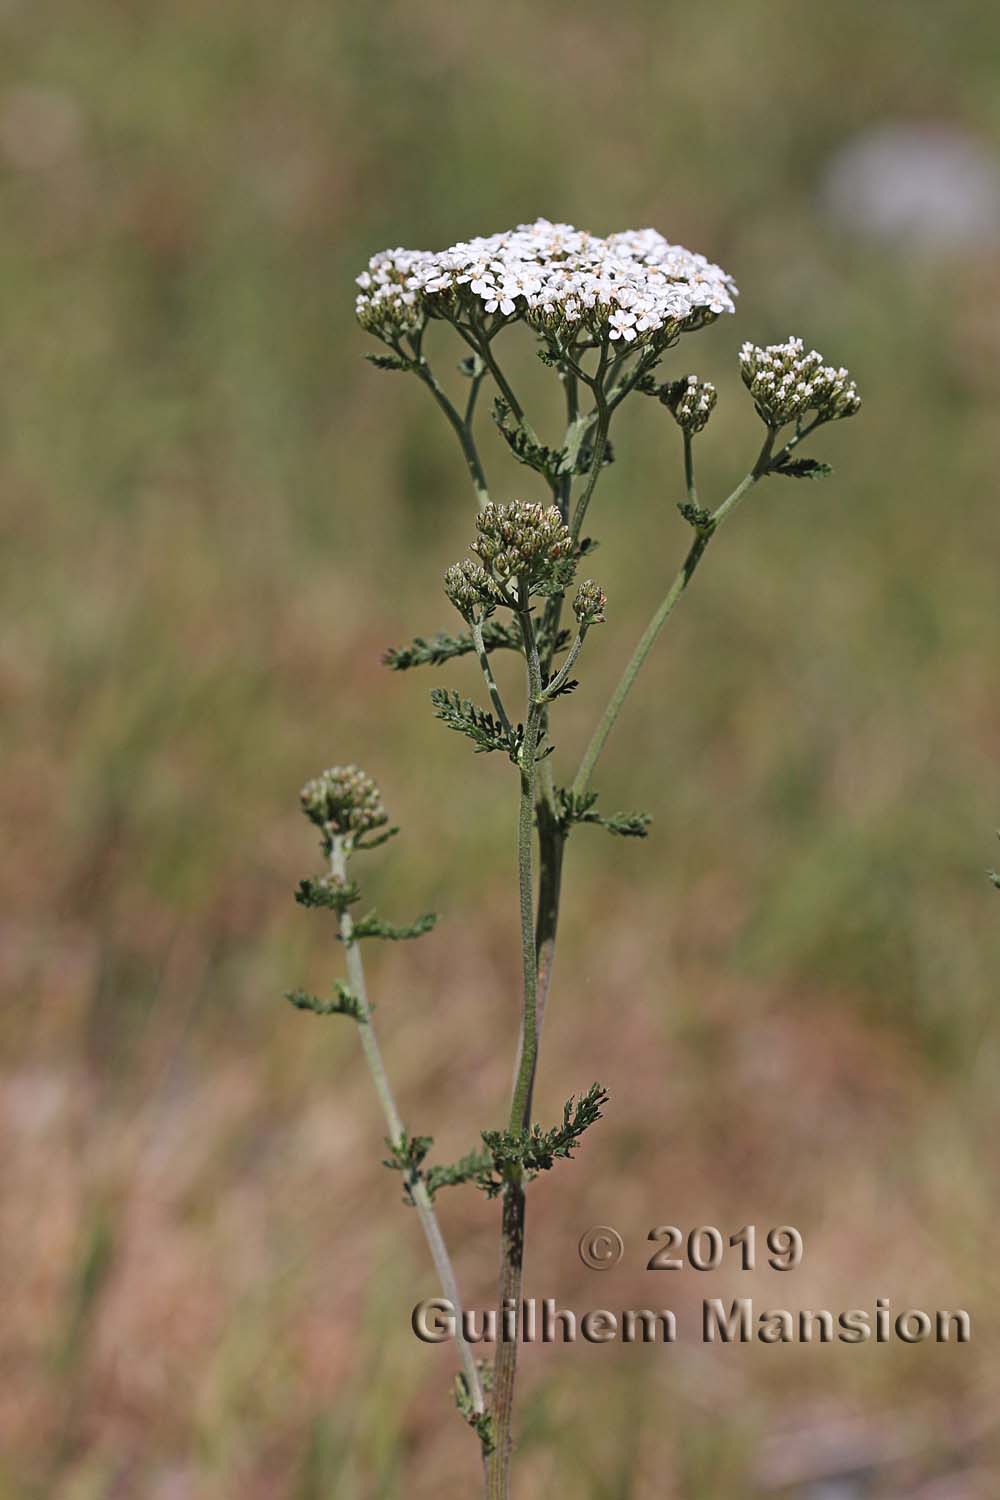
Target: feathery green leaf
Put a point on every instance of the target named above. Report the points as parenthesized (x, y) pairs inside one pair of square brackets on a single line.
[(371, 926), (485, 732), (345, 1003), (431, 651)]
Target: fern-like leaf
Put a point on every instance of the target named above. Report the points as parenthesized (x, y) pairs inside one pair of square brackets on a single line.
[(372, 926), (344, 1003), (485, 732)]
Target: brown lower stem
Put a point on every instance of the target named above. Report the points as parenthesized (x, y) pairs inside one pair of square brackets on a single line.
[(551, 843)]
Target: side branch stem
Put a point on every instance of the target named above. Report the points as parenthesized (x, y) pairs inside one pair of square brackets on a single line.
[(687, 570), (461, 427), (476, 627), (415, 1183)]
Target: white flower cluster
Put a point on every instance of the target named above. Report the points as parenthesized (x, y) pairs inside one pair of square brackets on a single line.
[(786, 382), (630, 287)]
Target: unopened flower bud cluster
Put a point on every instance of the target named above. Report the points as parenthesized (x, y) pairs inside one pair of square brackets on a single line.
[(631, 287), (470, 588), (691, 401), (786, 382), (590, 603), (343, 800), (524, 541)]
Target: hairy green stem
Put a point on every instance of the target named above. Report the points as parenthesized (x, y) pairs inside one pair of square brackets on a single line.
[(513, 1211), (562, 676), (414, 1181), (551, 833), (525, 874), (476, 627)]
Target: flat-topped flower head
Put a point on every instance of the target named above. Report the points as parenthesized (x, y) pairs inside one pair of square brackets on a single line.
[(786, 382), (524, 544), (630, 288), (690, 401), (343, 801)]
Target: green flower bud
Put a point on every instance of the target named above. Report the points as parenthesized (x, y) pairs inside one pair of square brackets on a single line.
[(590, 603), (470, 588)]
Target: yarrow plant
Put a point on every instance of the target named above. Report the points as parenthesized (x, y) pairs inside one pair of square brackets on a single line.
[(604, 312)]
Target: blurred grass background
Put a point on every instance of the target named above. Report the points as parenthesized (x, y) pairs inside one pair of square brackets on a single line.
[(215, 516)]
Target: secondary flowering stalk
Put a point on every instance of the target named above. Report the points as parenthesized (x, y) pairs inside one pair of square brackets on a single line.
[(345, 804), (604, 313)]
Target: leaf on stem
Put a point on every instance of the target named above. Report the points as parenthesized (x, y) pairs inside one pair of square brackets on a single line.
[(586, 458), (695, 516), (582, 808), (628, 825), (485, 732), (376, 838), (407, 1154), (345, 1003), (371, 926), (389, 362), (469, 1168), (480, 1421), (327, 891), (431, 651), (569, 686), (546, 461), (537, 1150), (800, 468)]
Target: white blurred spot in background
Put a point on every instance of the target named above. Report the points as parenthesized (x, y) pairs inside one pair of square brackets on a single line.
[(923, 187)]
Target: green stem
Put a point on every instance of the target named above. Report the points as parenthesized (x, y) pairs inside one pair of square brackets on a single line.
[(551, 843), (476, 626), (603, 418), (551, 834), (513, 1213), (415, 1183), (571, 442), (478, 339), (525, 876), (748, 481), (462, 429), (687, 570), (552, 690), (470, 406), (647, 360), (689, 484)]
